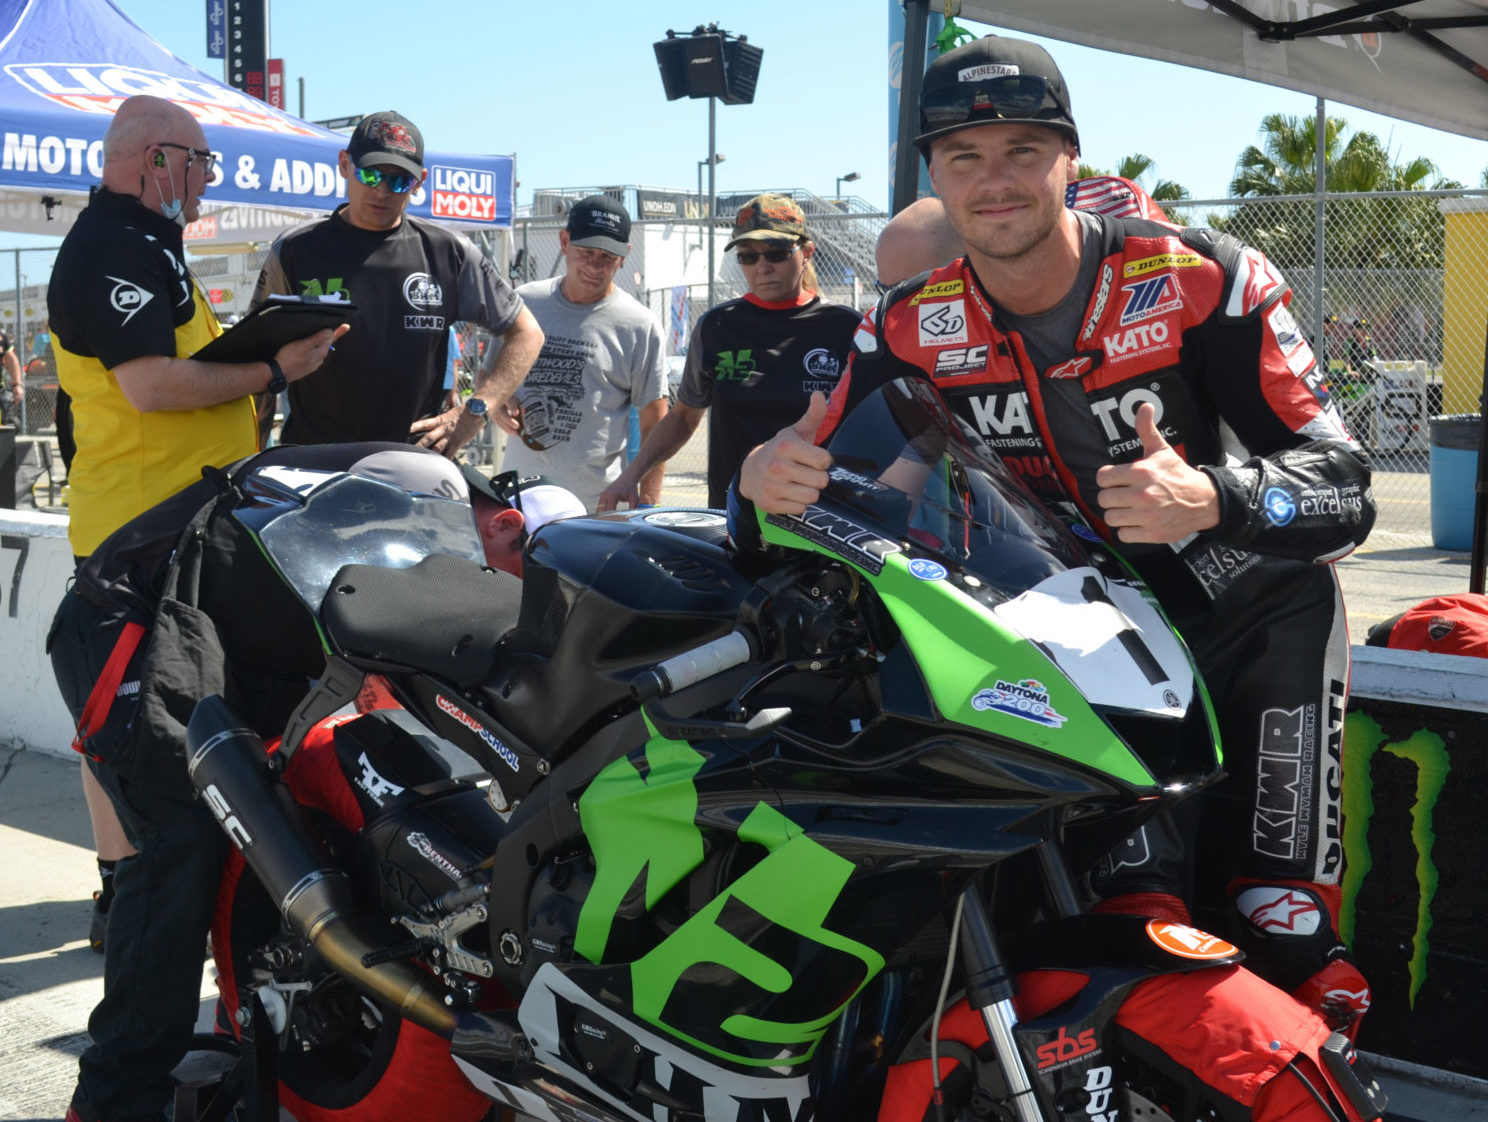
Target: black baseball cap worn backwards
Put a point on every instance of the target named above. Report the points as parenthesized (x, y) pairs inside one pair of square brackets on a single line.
[(599, 222), (993, 81), (387, 139)]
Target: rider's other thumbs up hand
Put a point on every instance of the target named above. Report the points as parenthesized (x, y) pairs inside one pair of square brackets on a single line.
[(1158, 498), (786, 473)]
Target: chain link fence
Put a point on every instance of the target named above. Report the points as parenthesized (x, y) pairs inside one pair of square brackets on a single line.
[(1388, 286)]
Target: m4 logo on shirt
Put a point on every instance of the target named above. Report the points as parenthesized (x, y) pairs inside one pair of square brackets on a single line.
[(734, 366), (332, 286)]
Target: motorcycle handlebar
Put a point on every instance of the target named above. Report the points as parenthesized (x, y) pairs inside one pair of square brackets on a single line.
[(690, 667)]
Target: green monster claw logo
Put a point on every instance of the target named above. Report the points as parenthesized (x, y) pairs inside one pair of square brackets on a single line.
[(645, 838), (331, 287), (732, 367), (1429, 753)]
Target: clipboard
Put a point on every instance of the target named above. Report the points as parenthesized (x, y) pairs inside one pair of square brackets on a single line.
[(258, 336)]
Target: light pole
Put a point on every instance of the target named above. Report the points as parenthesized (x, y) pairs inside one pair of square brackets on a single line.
[(850, 177), (716, 158)]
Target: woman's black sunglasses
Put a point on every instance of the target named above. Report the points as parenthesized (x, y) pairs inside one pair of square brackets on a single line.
[(773, 256)]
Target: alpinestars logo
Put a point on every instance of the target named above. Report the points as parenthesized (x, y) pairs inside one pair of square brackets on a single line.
[(128, 297), (1276, 910), (1098, 309), (1074, 368)]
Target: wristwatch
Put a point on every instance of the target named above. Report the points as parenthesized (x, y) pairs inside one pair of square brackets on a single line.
[(277, 380), (477, 407)]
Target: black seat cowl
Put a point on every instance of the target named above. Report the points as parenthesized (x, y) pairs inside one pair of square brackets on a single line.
[(444, 616)]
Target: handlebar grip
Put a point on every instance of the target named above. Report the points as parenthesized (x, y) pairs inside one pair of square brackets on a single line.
[(690, 667)]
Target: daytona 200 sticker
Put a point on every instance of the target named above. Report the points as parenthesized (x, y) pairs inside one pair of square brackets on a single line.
[(1027, 700)]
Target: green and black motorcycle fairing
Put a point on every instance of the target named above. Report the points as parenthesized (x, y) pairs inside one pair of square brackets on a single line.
[(725, 808)]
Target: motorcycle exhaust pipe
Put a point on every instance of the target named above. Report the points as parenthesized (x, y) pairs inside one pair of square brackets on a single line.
[(230, 769)]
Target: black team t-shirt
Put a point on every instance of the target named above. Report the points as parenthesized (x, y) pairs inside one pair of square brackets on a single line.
[(753, 365), (409, 284)]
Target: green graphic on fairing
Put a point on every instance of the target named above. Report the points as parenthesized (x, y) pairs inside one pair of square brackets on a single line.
[(643, 828), (640, 827), (1364, 737), (962, 649), (793, 888)]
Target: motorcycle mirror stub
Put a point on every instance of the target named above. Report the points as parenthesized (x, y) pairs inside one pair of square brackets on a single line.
[(1189, 942)]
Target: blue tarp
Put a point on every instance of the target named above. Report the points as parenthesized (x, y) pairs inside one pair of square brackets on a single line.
[(65, 65)]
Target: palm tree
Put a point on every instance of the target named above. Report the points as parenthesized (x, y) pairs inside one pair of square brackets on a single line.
[(1365, 234), (1284, 164)]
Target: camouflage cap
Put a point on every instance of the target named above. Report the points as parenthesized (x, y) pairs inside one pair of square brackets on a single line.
[(769, 217)]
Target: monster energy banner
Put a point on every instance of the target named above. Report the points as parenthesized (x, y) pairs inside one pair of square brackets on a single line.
[(1415, 906)]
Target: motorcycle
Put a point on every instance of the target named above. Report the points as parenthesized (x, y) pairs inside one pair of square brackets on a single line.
[(670, 830)]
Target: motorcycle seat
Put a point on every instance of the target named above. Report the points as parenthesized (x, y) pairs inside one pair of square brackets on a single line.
[(445, 615)]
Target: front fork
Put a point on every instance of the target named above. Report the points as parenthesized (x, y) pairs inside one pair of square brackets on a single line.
[(989, 980)]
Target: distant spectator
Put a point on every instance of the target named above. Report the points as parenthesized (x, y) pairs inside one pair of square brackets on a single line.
[(756, 360), (12, 384), (603, 352)]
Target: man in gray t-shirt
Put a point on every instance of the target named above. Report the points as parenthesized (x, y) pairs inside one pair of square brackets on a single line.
[(602, 353)]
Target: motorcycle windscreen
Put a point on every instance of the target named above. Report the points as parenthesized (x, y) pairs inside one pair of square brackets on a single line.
[(354, 520), (905, 464), (902, 461)]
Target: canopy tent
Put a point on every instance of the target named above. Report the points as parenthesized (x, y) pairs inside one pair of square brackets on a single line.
[(1424, 61), (65, 65)]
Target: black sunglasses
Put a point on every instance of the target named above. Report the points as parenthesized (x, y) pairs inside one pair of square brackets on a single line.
[(207, 158), (1011, 97), (773, 256), (399, 183)]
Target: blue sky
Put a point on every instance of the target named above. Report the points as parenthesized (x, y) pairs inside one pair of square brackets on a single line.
[(572, 89)]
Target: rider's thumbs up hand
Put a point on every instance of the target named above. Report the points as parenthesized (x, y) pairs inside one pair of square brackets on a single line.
[(1158, 498), (786, 473), (1153, 441)]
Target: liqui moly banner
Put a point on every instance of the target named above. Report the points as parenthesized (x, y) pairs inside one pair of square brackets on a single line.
[(65, 65)]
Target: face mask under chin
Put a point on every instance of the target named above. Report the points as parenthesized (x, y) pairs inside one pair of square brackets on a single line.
[(175, 209)]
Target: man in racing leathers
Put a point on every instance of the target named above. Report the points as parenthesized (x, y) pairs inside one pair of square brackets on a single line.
[(1150, 382)]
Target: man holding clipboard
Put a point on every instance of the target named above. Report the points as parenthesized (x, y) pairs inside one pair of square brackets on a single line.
[(126, 314), (128, 323)]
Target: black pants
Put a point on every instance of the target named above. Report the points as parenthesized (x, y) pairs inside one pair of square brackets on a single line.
[(1274, 652), (163, 896)]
